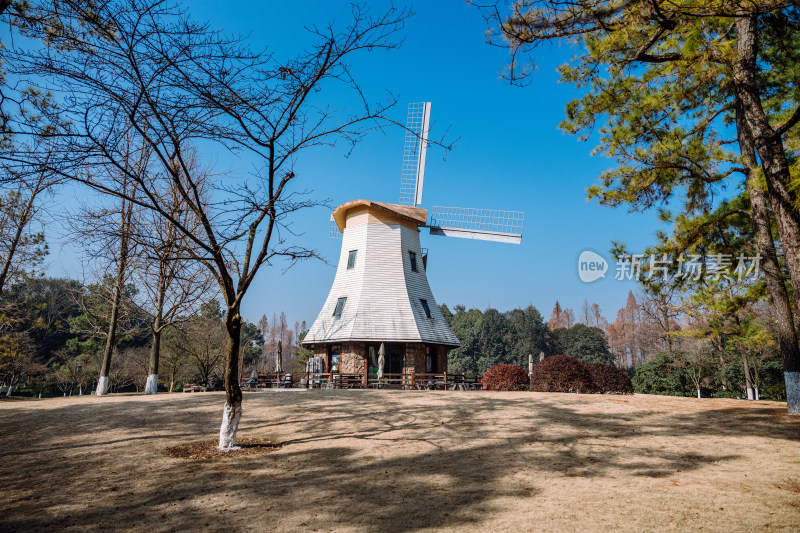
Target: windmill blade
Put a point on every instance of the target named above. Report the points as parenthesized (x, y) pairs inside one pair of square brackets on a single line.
[(334, 232), (483, 224), (414, 151)]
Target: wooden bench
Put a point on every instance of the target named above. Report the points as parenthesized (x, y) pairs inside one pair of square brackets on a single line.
[(390, 381), (347, 381), (275, 380)]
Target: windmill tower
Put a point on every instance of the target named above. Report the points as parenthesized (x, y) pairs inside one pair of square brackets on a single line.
[(381, 293)]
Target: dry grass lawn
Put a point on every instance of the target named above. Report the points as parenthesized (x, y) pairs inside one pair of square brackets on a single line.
[(402, 461)]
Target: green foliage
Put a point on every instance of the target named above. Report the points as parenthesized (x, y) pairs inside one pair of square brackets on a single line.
[(211, 309), (303, 354), (659, 376), (671, 374), (42, 307), (585, 343), (251, 341), (91, 325), (490, 337)]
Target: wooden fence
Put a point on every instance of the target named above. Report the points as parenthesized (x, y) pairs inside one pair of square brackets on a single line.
[(402, 381)]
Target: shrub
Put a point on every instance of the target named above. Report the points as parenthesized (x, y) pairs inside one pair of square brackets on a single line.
[(505, 377), (659, 376), (608, 379), (561, 373)]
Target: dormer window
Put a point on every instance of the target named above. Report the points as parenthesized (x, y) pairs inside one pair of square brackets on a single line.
[(351, 259), (413, 258), (425, 307), (339, 307)]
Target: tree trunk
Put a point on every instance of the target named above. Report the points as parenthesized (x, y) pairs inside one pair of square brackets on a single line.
[(698, 393), (776, 284), (111, 336), (155, 350), (769, 147), (152, 376), (748, 380), (232, 411), (119, 286)]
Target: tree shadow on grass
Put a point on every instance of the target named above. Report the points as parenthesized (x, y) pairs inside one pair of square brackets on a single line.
[(456, 459)]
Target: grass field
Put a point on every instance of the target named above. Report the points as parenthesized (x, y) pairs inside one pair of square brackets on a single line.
[(402, 461)]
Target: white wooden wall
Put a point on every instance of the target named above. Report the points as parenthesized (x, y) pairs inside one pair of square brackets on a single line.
[(383, 294)]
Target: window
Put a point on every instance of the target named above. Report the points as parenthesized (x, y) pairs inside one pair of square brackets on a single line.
[(339, 306), (428, 360), (426, 308), (413, 257), (334, 358), (351, 259)]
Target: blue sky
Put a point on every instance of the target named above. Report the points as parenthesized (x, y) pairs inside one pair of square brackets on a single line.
[(510, 155)]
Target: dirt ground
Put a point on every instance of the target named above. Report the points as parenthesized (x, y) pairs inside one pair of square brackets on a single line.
[(381, 461)]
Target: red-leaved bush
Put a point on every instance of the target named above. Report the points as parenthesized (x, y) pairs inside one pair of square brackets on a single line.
[(608, 379), (505, 377), (561, 373)]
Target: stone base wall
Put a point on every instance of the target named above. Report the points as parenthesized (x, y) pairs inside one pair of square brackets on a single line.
[(353, 359)]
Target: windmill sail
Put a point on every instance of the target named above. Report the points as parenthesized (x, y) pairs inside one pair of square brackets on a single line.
[(483, 224), (414, 150)]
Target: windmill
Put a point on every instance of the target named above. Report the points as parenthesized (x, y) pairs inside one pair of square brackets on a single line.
[(380, 294), (469, 223)]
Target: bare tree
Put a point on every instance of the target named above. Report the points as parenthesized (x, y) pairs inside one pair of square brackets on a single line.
[(586, 312), (130, 368), (596, 317), (146, 68), (202, 342), (697, 362), (660, 309), (175, 284), (106, 235)]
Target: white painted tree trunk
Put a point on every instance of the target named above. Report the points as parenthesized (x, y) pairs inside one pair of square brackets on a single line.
[(230, 423), (792, 392), (102, 386), (698, 393), (10, 390), (750, 395), (40, 395), (80, 391), (152, 384), (758, 394)]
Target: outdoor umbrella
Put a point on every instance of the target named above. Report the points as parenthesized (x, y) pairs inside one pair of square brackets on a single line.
[(381, 360), (278, 358)]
